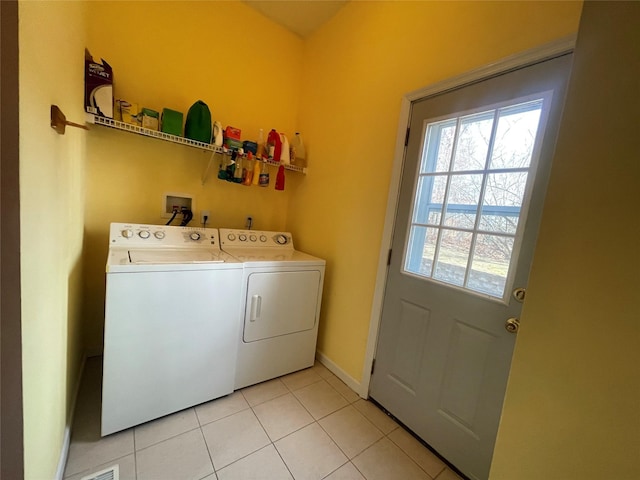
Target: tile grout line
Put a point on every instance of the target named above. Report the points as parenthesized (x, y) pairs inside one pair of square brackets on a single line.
[(283, 462), (220, 418), (135, 454), (336, 443), (268, 400), (407, 453), (290, 433), (204, 439), (250, 453), (338, 468), (165, 439)]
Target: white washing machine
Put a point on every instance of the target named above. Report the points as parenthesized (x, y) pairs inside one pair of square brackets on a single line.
[(281, 295), (172, 316)]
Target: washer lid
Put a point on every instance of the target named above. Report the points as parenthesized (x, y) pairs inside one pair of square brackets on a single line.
[(162, 256), (272, 256)]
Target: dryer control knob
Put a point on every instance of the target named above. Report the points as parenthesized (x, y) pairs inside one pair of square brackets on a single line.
[(281, 239), (242, 237), (263, 238), (231, 237), (159, 235), (127, 233), (253, 238), (144, 234), (194, 236)]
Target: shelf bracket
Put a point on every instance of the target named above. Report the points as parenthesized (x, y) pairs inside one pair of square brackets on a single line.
[(207, 170), (59, 122)]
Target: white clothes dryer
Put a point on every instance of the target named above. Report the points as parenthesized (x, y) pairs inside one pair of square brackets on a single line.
[(281, 296), (172, 315)]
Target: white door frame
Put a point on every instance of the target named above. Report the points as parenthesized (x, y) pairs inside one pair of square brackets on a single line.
[(518, 60)]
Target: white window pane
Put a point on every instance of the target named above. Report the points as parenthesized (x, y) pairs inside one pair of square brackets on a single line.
[(473, 142), (422, 247), (502, 201), (438, 147), (516, 135), (453, 257), (490, 266), (506, 223), (462, 202), (470, 191), (429, 199)]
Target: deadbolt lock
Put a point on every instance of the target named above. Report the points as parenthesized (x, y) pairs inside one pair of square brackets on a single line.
[(519, 294), (512, 325)]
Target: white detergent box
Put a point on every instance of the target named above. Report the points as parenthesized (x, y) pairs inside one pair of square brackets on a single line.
[(98, 86)]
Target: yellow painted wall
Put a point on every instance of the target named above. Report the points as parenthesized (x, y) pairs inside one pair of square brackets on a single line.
[(52, 37), (170, 54), (571, 410), (356, 70)]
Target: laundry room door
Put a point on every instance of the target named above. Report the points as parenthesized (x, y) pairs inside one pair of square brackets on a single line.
[(475, 172)]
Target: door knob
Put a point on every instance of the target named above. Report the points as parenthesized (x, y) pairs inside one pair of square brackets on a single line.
[(512, 325)]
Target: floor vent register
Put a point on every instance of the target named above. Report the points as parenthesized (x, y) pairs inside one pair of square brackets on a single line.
[(111, 473)]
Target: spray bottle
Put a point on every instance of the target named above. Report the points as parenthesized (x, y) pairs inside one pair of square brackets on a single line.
[(237, 173), (247, 170)]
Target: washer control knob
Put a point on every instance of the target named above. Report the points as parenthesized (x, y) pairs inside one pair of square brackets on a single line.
[(159, 234), (252, 238), (144, 234), (242, 237), (263, 238), (194, 236), (127, 233), (231, 237), (281, 239)]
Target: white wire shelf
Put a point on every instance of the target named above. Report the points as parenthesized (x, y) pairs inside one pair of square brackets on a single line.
[(127, 127)]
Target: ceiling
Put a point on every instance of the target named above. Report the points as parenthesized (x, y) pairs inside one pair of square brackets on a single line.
[(301, 17)]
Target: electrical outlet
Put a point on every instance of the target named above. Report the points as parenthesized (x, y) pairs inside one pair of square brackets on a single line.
[(203, 214)]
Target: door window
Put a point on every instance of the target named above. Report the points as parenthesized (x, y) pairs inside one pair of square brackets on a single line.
[(473, 182)]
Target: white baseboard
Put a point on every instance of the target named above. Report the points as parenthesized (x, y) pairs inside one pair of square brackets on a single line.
[(351, 382), (64, 452)]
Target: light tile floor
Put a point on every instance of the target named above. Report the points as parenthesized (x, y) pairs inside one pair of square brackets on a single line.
[(307, 425)]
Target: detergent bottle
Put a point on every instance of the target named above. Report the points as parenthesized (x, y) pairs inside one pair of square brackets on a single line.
[(298, 153), (280, 178), (274, 146), (256, 171)]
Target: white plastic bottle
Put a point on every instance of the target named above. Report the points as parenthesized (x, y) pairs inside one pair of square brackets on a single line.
[(299, 155), (284, 153)]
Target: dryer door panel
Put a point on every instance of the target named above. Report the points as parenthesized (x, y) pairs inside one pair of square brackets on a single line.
[(279, 303)]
